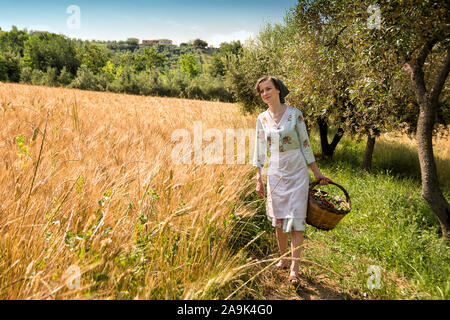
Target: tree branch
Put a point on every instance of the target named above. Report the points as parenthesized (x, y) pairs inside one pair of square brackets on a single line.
[(426, 49), (440, 80), (333, 41), (415, 70)]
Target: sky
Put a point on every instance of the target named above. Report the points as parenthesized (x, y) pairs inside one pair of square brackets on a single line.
[(178, 20)]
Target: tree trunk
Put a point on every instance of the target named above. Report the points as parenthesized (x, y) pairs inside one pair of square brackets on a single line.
[(430, 183), (368, 152), (428, 103), (327, 148)]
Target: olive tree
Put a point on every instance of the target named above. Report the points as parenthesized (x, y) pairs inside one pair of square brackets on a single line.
[(413, 38)]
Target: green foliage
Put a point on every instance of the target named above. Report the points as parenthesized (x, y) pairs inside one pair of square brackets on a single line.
[(207, 87), (200, 44), (189, 65), (3, 69), (37, 77), (148, 58), (22, 148), (217, 67), (44, 50), (25, 74), (389, 226), (65, 77), (50, 78), (172, 83), (142, 59), (22, 151), (85, 79), (110, 71), (148, 82), (124, 66), (94, 56), (390, 221), (255, 233), (13, 41), (10, 66), (262, 56), (125, 82), (240, 83), (355, 72)]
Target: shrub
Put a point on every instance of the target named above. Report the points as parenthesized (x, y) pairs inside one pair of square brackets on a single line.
[(65, 77), (3, 69), (172, 83), (50, 77), (190, 65), (12, 62), (36, 77), (25, 75), (126, 82), (147, 82), (85, 79), (206, 87)]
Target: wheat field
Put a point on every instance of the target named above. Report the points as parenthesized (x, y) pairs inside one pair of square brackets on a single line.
[(93, 206), (88, 185)]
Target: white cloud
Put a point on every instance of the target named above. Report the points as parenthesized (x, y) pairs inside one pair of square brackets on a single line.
[(217, 38), (195, 27)]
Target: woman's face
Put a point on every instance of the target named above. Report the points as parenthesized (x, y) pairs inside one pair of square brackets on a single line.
[(269, 94)]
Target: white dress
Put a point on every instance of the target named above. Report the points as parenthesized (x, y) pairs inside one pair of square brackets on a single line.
[(287, 174)]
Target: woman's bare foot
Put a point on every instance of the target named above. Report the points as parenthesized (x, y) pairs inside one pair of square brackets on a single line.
[(282, 264), (294, 278)]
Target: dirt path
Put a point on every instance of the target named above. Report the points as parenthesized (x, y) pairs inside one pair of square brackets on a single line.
[(312, 287)]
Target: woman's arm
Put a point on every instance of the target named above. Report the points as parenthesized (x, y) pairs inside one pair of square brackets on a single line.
[(258, 173), (259, 157), (318, 175), (260, 151), (260, 190), (303, 139), (305, 147)]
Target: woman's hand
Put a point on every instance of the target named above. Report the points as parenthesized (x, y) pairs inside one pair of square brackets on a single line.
[(318, 175), (260, 190), (323, 179)]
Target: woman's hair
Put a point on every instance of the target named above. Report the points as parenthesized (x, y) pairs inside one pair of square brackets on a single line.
[(278, 85)]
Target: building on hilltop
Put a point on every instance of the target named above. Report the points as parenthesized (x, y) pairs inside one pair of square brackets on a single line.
[(157, 41)]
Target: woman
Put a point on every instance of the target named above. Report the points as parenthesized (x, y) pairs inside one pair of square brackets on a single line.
[(281, 128)]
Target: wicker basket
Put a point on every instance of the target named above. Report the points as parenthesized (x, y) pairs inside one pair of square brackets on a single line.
[(323, 217)]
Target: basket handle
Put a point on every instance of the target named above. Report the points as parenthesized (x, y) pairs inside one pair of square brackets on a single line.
[(315, 183)]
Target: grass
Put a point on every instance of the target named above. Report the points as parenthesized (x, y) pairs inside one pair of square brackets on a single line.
[(390, 224), (100, 193)]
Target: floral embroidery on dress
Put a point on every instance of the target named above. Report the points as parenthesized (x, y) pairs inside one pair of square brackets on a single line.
[(284, 140), (261, 135), (279, 222), (289, 134), (287, 139)]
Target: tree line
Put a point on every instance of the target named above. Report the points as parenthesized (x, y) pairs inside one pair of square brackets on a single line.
[(187, 71)]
